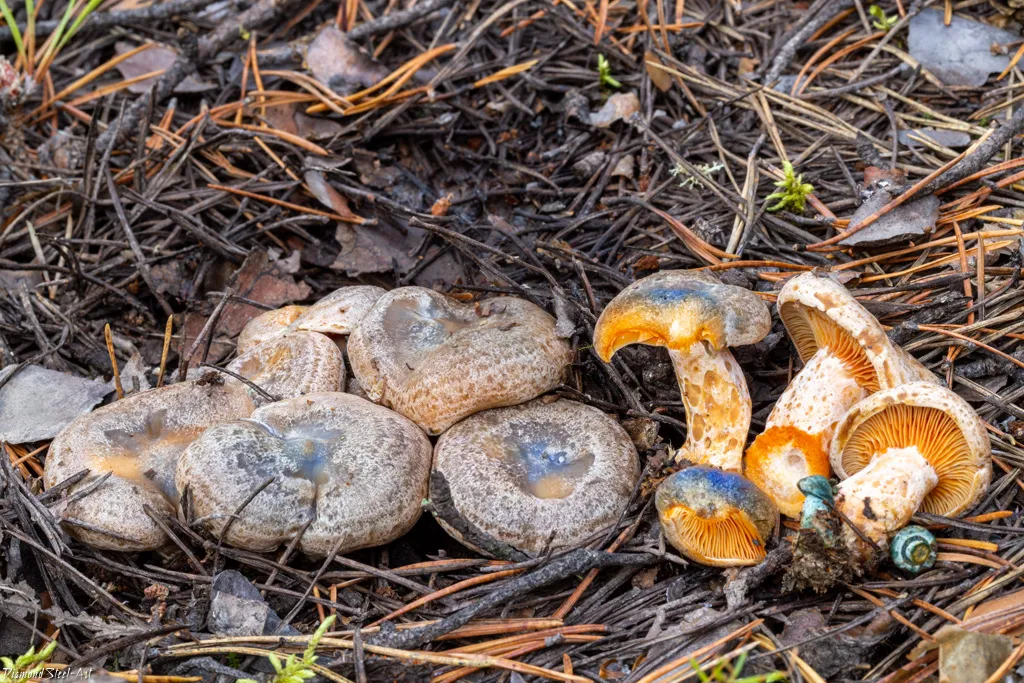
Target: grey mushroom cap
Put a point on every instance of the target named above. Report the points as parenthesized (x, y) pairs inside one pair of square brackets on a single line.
[(436, 360), (291, 365), (135, 443), (539, 473), (355, 471)]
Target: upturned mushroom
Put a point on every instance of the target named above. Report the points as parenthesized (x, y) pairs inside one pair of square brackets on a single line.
[(697, 317), (351, 470), (292, 365), (538, 476), (847, 356), (715, 517), (335, 315), (436, 360), (131, 448), (916, 447)]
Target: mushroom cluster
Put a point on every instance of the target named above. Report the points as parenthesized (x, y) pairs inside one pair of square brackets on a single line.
[(860, 406), (274, 452)]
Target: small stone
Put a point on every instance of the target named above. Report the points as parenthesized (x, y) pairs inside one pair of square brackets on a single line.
[(238, 609)]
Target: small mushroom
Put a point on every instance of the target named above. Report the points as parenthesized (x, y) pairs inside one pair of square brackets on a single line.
[(696, 316), (266, 326), (846, 356), (134, 444), (355, 472), (292, 365), (536, 476), (436, 360), (715, 517), (914, 447), (335, 315)]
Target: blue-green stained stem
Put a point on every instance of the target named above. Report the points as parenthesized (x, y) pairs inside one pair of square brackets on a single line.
[(913, 549)]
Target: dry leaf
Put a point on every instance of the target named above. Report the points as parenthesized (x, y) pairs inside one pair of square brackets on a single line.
[(327, 195), (154, 59), (441, 206), (338, 63), (37, 403), (661, 79), (618, 107), (291, 119)]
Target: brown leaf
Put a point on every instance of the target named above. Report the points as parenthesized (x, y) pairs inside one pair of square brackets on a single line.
[(338, 63), (258, 279), (376, 249), (154, 59), (618, 107), (327, 195), (661, 79), (291, 119)]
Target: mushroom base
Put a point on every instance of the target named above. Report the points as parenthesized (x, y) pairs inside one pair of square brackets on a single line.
[(717, 405), (881, 498)]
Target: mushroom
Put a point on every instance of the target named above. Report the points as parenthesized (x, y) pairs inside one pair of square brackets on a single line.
[(696, 316), (916, 447), (538, 476), (846, 356), (292, 365), (715, 517), (353, 471), (131, 448), (436, 360), (335, 315), (266, 326)]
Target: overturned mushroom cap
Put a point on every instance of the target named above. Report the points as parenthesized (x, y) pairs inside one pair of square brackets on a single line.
[(676, 308), (135, 443), (820, 312), (337, 315), (436, 360), (538, 474), (714, 517), (943, 429), (292, 365), (354, 471), (267, 326)]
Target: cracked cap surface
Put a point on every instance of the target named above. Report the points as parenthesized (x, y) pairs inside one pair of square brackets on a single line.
[(137, 440), (355, 471)]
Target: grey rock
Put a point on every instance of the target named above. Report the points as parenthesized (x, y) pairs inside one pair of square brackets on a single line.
[(238, 609), (961, 53), (37, 403)]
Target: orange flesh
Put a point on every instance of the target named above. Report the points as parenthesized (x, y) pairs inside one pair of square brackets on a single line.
[(811, 330), (641, 325), (935, 435), (725, 539), (803, 452)]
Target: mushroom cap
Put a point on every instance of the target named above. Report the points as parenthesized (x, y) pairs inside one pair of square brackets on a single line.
[(676, 308), (939, 424), (336, 314), (137, 440), (539, 473), (820, 312), (340, 312), (355, 471), (267, 326), (436, 360), (714, 517), (291, 365)]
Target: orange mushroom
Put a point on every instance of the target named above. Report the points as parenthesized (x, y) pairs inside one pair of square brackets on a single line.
[(846, 356), (696, 316), (915, 447)]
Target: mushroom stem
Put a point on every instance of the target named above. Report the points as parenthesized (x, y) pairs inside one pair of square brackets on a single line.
[(797, 433), (717, 404), (881, 498)]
